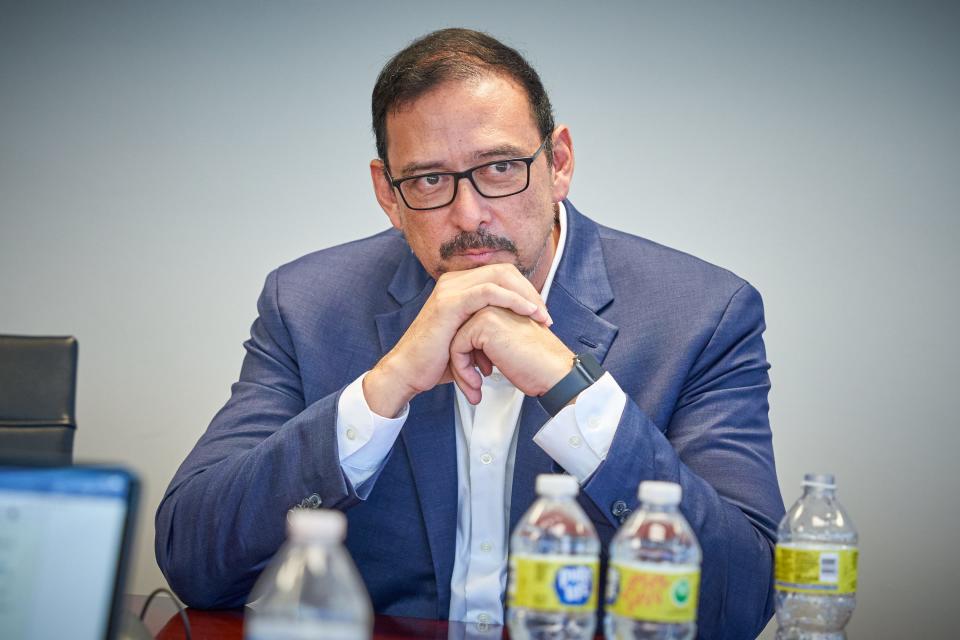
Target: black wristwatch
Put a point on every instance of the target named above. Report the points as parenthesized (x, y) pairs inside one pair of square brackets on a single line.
[(586, 370)]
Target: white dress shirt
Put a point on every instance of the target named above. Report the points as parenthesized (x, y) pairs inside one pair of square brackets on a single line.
[(577, 438)]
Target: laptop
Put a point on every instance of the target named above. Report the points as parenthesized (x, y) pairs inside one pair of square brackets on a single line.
[(65, 536)]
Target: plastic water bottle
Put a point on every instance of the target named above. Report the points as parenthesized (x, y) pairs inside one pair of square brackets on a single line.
[(554, 566), (311, 589), (653, 583), (816, 565)]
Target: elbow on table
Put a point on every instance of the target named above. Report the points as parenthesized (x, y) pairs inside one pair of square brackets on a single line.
[(199, 589), (191, 573), (755, 586)]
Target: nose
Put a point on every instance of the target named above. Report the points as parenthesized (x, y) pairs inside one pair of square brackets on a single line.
[(469, 210)]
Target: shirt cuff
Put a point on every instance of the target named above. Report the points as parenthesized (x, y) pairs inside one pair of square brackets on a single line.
[(364, 438), (578, 438)]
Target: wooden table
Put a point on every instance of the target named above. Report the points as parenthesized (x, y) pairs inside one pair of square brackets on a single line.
[(163, 623)]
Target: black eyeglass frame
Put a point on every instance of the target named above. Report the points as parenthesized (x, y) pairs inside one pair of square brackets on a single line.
[(468, 174)]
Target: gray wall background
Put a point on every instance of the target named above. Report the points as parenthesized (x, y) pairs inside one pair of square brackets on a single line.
[(158, 159)]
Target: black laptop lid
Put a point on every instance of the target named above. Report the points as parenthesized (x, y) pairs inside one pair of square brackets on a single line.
[(65, 535)]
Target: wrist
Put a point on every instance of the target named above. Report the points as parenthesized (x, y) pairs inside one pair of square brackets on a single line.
[(584, 370), (558, 368), (383, 390)]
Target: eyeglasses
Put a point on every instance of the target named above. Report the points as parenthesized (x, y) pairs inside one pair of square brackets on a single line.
[(497, 179)]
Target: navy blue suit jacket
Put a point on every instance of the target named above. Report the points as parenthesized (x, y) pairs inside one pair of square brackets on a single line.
[(683, 339)]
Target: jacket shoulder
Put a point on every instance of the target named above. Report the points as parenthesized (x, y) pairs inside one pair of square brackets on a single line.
[(358, 263), (664, 271)]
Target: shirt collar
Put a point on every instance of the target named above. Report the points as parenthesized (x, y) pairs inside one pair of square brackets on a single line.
[(558, 254)]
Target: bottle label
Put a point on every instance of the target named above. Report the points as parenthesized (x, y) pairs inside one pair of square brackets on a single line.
[(653, 591), (553, 582), (823, 570)]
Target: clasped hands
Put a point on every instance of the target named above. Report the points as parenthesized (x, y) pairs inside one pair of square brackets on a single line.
[(481, 318)]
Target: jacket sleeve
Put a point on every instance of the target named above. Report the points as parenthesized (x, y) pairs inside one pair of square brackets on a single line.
[(223, 515), (718, 447)]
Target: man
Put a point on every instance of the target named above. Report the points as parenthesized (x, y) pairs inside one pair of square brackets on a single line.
[(418, 381)]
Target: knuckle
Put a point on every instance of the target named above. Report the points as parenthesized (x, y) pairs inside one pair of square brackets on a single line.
[(488, 289), (486, 313), (504, 269)]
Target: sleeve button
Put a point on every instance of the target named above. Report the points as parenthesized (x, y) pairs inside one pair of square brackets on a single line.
[(313, 501)]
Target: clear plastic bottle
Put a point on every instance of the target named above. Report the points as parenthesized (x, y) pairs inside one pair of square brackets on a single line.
[(653, 583), (554, 566), (311, 589), (816, 565)]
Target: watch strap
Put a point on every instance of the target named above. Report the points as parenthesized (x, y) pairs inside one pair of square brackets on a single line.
[(586, 370)]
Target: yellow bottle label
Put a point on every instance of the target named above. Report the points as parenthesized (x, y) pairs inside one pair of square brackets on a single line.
[(815, 570), (653, 591), (553, 582)]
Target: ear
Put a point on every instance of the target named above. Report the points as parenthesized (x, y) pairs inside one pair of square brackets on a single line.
[(386, 194), (562, 162)]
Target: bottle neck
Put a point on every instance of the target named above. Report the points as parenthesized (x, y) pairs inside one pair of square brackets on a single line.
[(810, 491), (659, 508)]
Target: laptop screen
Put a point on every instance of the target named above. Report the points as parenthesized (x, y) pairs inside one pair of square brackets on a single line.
[(64, 535)]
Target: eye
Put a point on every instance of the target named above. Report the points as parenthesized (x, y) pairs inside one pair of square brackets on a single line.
[(427, 184), (506, 169)]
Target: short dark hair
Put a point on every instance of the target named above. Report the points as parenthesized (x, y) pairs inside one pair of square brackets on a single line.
[(454, 54)]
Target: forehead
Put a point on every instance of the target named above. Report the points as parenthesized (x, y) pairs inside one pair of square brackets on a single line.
[(459, 119)]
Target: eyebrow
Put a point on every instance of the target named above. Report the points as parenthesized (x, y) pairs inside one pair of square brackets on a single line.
[(503, 151)]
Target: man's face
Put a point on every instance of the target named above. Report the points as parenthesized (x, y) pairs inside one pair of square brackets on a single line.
[(456, 126)]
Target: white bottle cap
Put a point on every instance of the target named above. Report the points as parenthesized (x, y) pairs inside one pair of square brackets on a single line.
[(328, 525), (557, 484), (819, 480), (661, 493)]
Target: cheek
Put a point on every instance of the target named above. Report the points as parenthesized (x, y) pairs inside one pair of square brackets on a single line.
[(535, 219), (425, 235), (425, 239)]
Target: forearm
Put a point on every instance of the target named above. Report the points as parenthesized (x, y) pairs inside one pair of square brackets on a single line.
[(224, 514)]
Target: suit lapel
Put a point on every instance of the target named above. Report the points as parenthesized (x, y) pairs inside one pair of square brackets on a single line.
[(580, 290), (431, 448), (428, 434)]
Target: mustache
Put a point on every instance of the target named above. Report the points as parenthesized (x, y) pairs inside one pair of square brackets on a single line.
[(479, 239)]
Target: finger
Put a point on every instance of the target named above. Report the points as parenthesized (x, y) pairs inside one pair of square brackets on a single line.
[(472, 393), (483, 362), (489, 294), (465, 374), (508, 277), (463, 365)]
